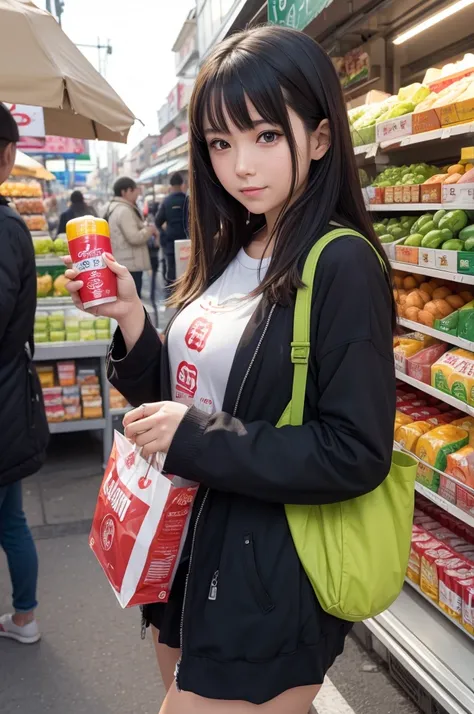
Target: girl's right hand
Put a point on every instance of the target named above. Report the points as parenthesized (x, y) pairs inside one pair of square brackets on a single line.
[(127, 303)]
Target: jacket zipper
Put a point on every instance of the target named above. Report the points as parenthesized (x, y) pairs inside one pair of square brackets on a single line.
[(193, 541)]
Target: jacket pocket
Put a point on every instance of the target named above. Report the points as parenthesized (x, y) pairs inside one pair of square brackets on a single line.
[(254, 580)]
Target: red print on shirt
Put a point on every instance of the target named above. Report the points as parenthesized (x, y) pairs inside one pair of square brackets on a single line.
[(198, 333), (186, 378)]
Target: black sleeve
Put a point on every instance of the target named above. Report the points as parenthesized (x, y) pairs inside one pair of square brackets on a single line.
[(161, 216), (137, 374), (62, 223), (11, 268), (344, 450)]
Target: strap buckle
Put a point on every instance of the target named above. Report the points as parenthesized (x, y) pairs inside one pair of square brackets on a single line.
[(300, 352)]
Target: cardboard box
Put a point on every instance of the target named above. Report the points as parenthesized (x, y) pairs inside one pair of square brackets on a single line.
[(375, 194), (398, 194), (466, 322), (389, 196), (394, 128), (425, 121), (465, 263), (407, 254), (457, 113), (414, 194), (430, 193), (449, 324)]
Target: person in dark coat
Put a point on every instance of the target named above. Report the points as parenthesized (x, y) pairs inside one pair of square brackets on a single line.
[(77, 208), (23, 427), (172, 213)]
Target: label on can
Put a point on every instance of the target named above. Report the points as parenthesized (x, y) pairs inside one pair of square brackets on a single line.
[(100, 283)]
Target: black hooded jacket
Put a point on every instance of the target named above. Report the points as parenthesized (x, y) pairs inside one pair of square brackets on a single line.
[(24, 431), (264, 631)]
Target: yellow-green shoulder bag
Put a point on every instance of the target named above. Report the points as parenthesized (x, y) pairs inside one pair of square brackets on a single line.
[(355, 553)]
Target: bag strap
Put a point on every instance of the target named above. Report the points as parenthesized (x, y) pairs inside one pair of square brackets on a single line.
[(300, 346)]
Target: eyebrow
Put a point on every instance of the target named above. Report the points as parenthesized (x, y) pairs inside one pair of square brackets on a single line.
[(255, 123)]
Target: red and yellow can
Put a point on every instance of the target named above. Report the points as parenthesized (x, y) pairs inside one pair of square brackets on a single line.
[(88, 239)]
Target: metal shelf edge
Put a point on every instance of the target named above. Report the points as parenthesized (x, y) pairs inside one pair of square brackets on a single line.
[(63, 427), (442, 336), (462, 406), (432, 272)]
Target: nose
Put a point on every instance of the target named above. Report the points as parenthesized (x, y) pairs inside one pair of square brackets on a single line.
[(244, 165)]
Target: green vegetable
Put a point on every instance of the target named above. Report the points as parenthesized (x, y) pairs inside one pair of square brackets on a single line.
[(398, 232), (438, 216), (414, 240), (425, 218), (387, 238), (467, 232), (393, 222), (447, 234), (433, 239), (379, 229), (426, 227), (454, 220), (469, 243), (453, 244)]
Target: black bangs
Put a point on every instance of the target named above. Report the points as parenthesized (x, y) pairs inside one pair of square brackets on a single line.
[(240, 77)]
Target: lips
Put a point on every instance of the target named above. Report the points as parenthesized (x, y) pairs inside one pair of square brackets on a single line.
[(251, 190)]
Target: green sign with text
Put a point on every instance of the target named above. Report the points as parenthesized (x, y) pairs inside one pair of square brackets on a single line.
[(295, 13)]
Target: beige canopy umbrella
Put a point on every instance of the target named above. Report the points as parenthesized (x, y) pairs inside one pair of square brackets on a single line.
[(26, 166), (41, 66)]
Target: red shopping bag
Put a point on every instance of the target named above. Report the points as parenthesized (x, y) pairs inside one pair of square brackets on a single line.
[(140, 525)]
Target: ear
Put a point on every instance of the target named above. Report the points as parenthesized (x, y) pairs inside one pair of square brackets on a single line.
[(320, 140)]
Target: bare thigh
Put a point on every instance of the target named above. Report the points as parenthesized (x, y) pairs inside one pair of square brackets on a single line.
[(296, 701), (167, 659)]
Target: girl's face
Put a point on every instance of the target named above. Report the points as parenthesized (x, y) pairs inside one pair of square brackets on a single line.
[(255, 166)]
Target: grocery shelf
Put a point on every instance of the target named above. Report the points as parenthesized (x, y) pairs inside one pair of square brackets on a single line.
[(433, 273), (120, 412), (63, 427), (70, 350), (49, 262), (420, 592), (65, 301), (442, 336), (430, 648), (403, 207), (444, 504), (462, 406)]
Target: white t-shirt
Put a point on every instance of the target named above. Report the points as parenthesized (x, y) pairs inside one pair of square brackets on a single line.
[(204, 338)]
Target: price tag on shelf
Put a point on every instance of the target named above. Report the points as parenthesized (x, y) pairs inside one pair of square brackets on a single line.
[(446, 133), (372, 151), (406, 141), (461, 195)]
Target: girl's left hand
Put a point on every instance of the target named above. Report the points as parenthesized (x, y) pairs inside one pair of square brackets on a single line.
[(153, 426)]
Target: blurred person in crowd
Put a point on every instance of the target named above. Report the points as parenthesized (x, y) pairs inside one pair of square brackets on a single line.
[(172, 214), (77, 208), (153, 249), (23, 428), (129, 233), (52, 213)]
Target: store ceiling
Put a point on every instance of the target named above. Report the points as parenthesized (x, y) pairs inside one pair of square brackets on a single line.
[(350, 23)]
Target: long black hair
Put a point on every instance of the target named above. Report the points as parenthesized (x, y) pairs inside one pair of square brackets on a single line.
[(275, 68)]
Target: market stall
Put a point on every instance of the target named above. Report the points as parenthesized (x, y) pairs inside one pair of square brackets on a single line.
[(415, 151)]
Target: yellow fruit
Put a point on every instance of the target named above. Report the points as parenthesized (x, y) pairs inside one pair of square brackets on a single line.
[(456, 169)]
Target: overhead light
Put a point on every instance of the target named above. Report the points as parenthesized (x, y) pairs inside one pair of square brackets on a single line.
[(433, 20)]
